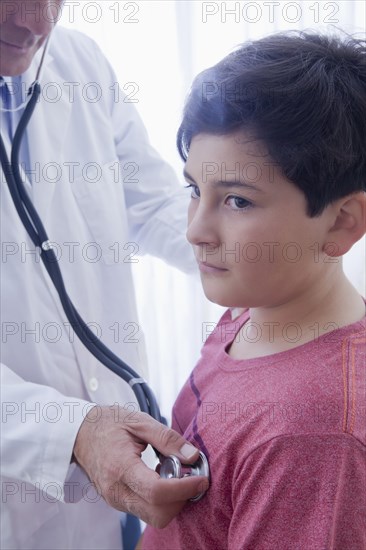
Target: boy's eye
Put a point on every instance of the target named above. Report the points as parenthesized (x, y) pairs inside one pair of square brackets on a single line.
[(238, 203), (195, 192)]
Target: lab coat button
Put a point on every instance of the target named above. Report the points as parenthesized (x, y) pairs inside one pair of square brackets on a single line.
[(93, 384)]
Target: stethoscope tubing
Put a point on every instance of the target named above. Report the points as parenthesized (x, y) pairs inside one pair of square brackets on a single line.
[(36, 230)]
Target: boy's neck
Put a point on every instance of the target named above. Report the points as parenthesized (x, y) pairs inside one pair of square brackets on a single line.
[(335, 303)]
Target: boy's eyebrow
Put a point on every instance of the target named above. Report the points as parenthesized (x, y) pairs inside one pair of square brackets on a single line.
[(228, 183)]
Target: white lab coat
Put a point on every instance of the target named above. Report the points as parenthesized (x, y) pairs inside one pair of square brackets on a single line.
[(100, 214)]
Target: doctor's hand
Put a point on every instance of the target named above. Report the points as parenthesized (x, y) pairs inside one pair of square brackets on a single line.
[(109, 446)]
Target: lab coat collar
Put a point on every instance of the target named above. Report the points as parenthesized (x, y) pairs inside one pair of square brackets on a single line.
[(7, 79), (48, 125)]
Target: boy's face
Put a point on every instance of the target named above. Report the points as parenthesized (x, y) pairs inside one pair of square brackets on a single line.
[(253, 240)]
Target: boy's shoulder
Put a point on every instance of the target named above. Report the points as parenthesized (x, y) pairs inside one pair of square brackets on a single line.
[(315, 388)]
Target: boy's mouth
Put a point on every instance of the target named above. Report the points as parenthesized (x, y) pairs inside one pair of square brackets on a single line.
[(209, 268)]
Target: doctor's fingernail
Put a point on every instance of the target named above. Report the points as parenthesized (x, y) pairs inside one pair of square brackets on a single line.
[(187, 450)]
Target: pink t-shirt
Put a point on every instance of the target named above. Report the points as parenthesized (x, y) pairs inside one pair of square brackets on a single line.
[(285, 436)]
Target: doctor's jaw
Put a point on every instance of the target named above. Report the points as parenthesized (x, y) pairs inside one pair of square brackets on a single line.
[(24, 28)]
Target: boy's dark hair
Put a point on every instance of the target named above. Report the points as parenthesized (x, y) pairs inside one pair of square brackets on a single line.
[(302, 94)]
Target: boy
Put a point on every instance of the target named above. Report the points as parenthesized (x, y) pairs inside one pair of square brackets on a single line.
[(274, 142)]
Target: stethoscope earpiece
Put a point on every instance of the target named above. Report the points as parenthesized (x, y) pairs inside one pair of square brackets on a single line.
[(171, 467)]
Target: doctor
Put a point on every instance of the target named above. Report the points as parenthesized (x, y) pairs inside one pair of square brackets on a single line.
[(71, 432)]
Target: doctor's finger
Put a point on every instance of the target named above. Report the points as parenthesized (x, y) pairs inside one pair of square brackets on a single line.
[(155, 490), (156, 515), (165, 440)]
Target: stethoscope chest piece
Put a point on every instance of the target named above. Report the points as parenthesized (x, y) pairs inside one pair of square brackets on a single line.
[(171, 467)]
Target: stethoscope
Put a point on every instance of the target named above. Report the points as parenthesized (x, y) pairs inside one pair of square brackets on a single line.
[(170, 466)]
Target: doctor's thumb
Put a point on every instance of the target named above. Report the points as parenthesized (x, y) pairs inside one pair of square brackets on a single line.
[(168, 442)]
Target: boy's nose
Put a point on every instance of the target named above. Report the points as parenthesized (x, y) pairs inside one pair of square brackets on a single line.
[(202, 227)]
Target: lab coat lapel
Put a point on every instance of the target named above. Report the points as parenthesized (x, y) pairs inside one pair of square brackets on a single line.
[(46, 138)]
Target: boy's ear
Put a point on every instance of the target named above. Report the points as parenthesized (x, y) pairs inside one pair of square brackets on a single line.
[(349, 224)]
